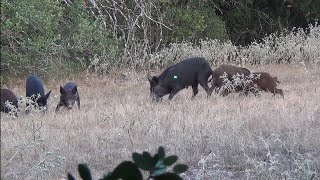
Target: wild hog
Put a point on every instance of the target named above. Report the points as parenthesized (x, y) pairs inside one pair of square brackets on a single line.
[(230, 70), (267, 83), (7, 95), (189, 72), (68, 96), (34, 88)]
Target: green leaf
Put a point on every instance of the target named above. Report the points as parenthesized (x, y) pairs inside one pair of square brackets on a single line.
[(70, 177), (170, 160), (137, 158), (108, 177), (144, 161), (148, 163), (155, 160), (161, 153), (160, 164), (146, 155), (168, 176), (160, 171), (84, 172), (180, 168), (126, 171)]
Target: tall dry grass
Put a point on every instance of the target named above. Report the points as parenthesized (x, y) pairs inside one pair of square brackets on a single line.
[(232, 137), (294, 47)]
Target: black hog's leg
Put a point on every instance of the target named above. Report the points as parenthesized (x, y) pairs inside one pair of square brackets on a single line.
[(173, 92), (78, 103), (205, 86), (58, 106), (195, 90)]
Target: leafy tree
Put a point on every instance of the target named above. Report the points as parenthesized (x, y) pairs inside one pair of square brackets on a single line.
[(46, 37), (192, 21), (250, 20), (28, 33)]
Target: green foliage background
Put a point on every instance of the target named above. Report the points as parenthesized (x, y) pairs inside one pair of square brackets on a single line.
[(49, 37), (192, 22)]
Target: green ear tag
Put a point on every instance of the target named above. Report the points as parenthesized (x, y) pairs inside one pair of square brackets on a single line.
[(175, 77)]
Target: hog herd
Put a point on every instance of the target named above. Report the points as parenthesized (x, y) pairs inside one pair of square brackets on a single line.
[(189, 72), (37, 98)]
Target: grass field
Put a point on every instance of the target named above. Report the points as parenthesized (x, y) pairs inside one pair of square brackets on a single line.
[(232, 137)]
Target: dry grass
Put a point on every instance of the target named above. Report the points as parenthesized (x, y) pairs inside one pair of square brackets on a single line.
[(292, 47), (219, 138)]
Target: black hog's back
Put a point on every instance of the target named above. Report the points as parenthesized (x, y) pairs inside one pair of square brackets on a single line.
[(34, 86), (186, 73), (7, 95)]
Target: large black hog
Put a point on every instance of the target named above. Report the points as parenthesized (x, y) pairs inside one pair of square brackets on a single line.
[(230, 70), (267, 83), (189, 72), (7, 95), (68, 96), (34, 88)]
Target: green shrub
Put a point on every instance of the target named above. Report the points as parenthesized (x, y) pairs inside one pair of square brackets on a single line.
[(191, 24), (28, 32), (49, 37), (156, 165)]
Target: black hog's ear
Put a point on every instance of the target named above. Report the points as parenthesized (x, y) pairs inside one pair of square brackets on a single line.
[(155, 79), (62, 90), (74, 90), (48, 94), (149, 77)]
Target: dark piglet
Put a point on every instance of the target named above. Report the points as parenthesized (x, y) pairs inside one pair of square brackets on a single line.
[(34, 88), (189, 72), (7, 95), (267, 83), (68, 96), (230, 70)]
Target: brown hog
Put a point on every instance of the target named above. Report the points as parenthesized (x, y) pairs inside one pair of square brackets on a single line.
[(7, 95), (267, 83), (231, 70)]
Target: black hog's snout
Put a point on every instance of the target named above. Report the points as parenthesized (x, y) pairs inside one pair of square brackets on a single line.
[(69, 95), (157, 99)]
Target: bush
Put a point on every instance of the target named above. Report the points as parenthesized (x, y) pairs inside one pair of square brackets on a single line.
[(192, 24), (50, 37), (156, 165), (294, 47), (28, 32)]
